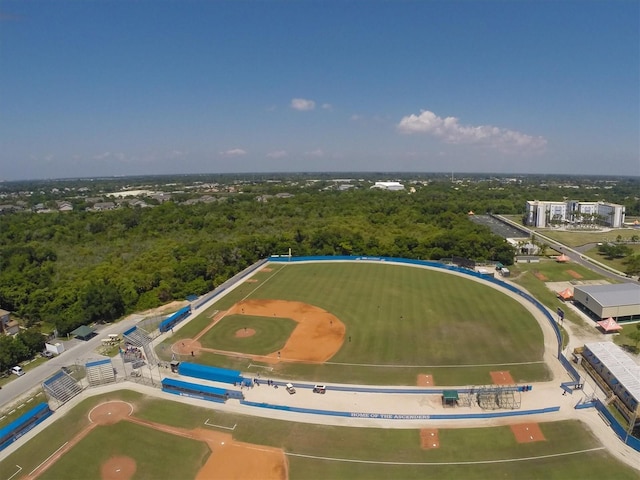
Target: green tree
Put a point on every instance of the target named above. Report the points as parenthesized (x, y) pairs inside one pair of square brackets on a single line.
[(632, 265), (32, 339), (634, 335)]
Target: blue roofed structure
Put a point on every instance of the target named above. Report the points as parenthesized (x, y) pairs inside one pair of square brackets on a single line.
[(214, 374), (21, 425), (194, 390)]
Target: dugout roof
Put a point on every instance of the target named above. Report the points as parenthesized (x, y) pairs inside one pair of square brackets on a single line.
[(450, 394)]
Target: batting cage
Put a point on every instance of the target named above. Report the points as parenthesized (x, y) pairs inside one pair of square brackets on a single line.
[(496, 397)]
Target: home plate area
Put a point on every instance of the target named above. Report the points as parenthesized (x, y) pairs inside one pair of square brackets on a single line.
[(429, 438), (527, 432)]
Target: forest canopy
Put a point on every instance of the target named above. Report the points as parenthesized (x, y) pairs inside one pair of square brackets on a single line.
[(78, 267)]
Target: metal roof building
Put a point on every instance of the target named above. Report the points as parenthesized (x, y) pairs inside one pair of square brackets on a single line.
[(618, 370), (620, 301)]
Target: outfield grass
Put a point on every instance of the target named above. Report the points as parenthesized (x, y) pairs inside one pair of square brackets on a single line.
[(396, 316)]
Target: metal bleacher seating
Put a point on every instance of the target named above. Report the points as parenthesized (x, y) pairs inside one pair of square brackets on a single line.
[(100, 372), (138, 337), (62, 386)]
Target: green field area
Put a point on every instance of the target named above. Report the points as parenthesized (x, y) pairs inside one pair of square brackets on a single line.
[(554, 271), (617, 263), (338, 452), (524, 274), (157, 454), (270, 334), (578, 238), (402, 321)]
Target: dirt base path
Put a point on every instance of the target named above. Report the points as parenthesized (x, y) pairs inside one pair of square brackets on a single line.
[(228, 459), (317, 337)]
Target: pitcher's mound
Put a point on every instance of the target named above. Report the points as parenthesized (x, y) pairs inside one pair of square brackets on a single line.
[(118, 468), (245, 332), (110, 412)]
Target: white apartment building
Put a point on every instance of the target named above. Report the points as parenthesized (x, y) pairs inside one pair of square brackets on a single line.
[(544, 213)]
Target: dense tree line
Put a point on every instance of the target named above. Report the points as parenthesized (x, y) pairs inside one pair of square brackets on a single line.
[(23, 346), (79, 267)]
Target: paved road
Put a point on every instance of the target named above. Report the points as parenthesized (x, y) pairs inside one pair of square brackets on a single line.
[(575, 254), (78, 351)]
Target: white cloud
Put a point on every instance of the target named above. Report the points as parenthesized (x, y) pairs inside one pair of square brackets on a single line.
[(315, 153), (327, 106), (277, 154), (451, 131), (234, 152), (302, 104), (356, 117)]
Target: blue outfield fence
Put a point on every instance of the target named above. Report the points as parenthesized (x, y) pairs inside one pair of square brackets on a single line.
[(619, 430), (396, 416)]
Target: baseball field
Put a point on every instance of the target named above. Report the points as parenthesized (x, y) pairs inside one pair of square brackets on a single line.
[(374, 323), (157, 439)]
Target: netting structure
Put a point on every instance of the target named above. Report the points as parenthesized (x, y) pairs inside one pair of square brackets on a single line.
[(499, 397)]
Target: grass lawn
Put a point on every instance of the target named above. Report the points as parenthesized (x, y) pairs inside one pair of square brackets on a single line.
[(582, 237), (617, 263), (556, 272), (401, 320), (625, 341), (524, 274), (270, 334), (341, 452), (44, 444), (157, 454)]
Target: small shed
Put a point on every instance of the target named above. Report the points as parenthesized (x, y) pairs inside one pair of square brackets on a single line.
[(449, 398), (83, 332)]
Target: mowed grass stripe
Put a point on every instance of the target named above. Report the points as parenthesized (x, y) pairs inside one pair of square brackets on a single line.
[(412, 316)]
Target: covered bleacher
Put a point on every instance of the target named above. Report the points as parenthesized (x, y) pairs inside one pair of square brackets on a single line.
[(21, 425), (213, 374), (194, 390), (174, 319), (62, 387), (100, 372)]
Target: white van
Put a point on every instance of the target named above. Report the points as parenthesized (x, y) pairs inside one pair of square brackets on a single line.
[(17, 370)]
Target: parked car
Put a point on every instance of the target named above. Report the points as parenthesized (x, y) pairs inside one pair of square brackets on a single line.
[(290, 389), (17, 370), (320, 389), (46, 354)]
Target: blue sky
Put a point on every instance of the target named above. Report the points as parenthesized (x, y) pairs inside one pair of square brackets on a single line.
[(158, 87)]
